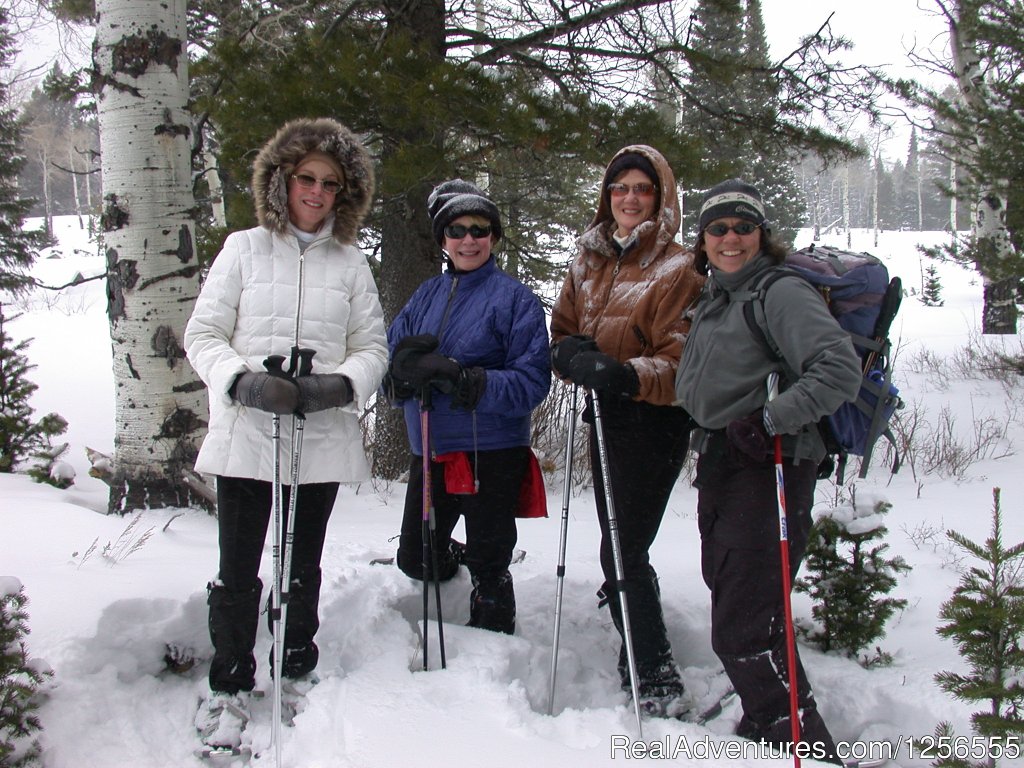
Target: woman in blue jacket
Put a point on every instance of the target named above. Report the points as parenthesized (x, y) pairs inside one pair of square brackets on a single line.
[(473, 340)]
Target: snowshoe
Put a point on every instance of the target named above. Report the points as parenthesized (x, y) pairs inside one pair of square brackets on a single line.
[(677, 706), (293, 696), (220, 720), (458, 549)]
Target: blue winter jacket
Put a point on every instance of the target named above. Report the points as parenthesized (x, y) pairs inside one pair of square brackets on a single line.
[(493, 322)]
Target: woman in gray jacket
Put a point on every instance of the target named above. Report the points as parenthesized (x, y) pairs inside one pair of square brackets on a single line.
[(296, 280), (722, 384)]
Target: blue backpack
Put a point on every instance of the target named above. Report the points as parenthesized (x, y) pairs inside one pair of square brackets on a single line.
[(862, 298)]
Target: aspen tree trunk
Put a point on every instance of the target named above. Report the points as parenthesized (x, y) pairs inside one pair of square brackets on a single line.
[(989, 232), (152, 274)]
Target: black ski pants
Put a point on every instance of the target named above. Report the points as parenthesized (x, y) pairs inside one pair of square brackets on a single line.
[(646, 446), (244, 508), (741, 562), (490, 516)]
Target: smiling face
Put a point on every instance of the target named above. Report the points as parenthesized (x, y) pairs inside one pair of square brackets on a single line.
[(731, 251), (631, 209), (309, 206), (468, 253)]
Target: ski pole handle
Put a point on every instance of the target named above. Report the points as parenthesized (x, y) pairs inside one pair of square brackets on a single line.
[(275, 366), (305, 361)]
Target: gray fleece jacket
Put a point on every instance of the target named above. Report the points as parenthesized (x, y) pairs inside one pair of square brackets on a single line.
[(724, 367)]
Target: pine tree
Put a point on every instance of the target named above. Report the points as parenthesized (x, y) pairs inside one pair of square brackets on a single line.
[(18, 249), (931, 291), (848, 576), (20, 680), (985, 618), (20, 436), (730, 65)]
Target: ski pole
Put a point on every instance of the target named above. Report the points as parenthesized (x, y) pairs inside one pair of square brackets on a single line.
[(429, 523), (273, 364), (794, 711), (620, 574), (560, 571)]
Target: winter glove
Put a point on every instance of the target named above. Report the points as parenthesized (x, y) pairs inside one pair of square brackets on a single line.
[(750, 437), (601, 372), (396, 390), (430, 368), (323, 390), (564, 351), (470, 388), (273, 394), (407, 352)]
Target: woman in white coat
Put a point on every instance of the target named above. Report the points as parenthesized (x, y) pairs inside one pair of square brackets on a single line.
[(295, 280)]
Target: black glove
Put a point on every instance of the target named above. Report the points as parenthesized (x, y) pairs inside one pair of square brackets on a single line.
[(596, 370), (564, 351), (323, 390), (470, 388), (750, 436), (273, 394), (407, 352), (396, 390), (431, 368)]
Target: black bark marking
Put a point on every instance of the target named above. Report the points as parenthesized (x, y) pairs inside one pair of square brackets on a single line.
[(165, 344), (181, 423), (133, 54), (114, 215), (131, 368), (184, 272), (170, 128)]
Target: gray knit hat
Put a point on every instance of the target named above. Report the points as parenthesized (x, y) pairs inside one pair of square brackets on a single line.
[(732, 198), (456, 197)]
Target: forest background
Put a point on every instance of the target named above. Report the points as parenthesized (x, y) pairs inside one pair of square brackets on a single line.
[(158, 130)]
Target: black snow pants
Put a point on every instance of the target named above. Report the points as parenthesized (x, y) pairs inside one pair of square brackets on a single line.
[(491, 534), (737, 512), (244, 508), (646, 446)]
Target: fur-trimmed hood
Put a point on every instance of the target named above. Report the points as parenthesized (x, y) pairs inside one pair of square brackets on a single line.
[(652, 236), (279, 157)]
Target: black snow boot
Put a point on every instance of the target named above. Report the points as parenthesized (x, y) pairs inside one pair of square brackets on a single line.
[(448, 562), (303, 620), (492, 604), (234, 619), (659, 683)]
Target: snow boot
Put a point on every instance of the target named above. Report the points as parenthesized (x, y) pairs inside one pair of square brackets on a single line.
[(301, 653), (448, 562), (234, 619), (659, 684), (492, 604), (220, 719)]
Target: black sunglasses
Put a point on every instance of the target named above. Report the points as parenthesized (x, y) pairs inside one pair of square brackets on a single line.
[(308, 182), (720, 230), (458, 231)]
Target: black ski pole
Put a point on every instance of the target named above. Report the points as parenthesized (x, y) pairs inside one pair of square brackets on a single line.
[(429, 523)]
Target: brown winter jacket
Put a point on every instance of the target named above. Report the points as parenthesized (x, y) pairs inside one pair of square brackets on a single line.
[(632, 304)]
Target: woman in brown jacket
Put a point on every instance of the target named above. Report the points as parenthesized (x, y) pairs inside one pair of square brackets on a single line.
[(617, 330)]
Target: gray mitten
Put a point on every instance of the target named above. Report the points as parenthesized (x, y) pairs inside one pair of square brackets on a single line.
[(323, 390), (272, 394)]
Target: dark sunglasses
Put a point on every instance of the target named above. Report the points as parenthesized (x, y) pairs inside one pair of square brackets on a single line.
[(458, 231), (308, 182), (720, 230), (621, 190)]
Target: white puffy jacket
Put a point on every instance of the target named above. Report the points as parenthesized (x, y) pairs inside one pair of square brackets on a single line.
[(247, 311)]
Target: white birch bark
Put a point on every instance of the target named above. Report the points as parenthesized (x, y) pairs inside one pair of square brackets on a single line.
[(988, 223), (153, 276)]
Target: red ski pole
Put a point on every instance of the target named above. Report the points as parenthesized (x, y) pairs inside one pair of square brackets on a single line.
[(794, 710)]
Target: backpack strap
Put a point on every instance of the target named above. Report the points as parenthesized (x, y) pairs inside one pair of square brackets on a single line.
[(757, 320)]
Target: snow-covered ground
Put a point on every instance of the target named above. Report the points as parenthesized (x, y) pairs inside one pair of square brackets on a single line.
[(107, 593)]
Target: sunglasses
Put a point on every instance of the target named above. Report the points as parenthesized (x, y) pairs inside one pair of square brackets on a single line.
[(720, 230), (308, 182), (640, 190), (458, 231)]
